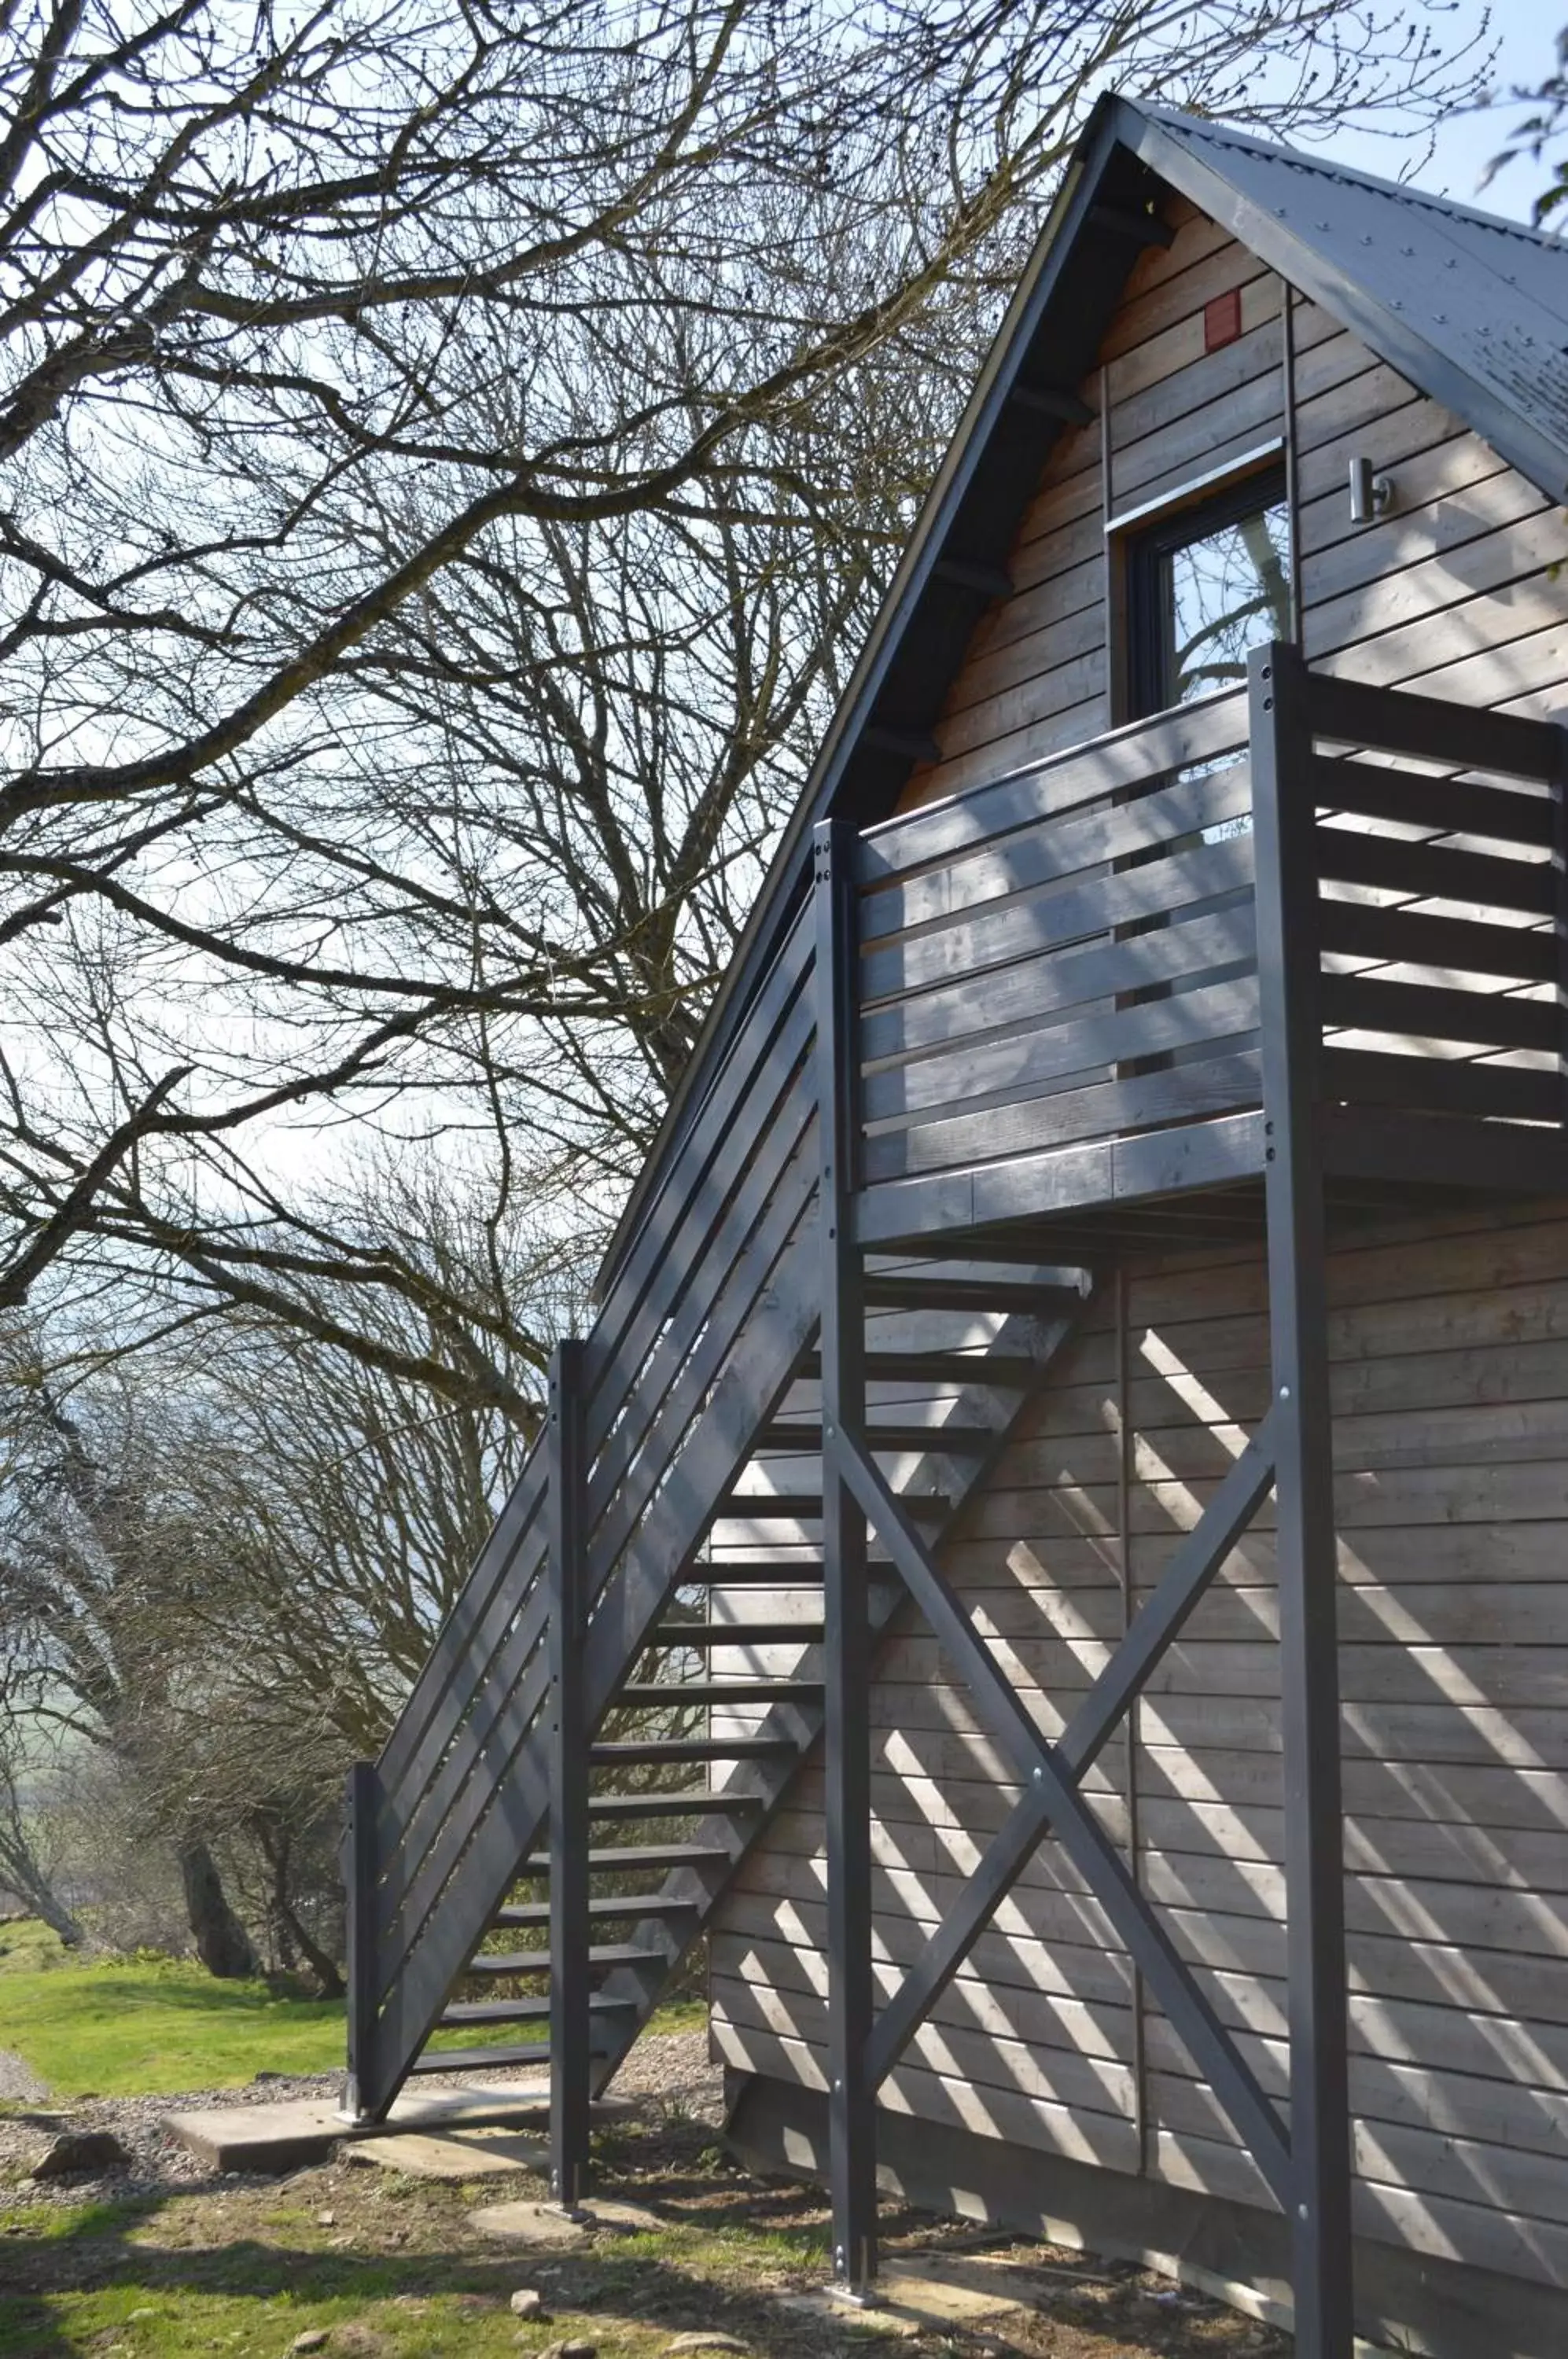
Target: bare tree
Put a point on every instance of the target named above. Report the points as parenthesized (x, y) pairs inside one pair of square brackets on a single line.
[(219, 1572), (24, 1869), (451, 455), (95, 1549)]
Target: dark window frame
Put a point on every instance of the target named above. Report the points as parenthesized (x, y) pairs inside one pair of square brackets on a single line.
[(1144, 552)]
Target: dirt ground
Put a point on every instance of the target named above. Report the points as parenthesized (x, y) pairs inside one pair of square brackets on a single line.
[(380, 2265)]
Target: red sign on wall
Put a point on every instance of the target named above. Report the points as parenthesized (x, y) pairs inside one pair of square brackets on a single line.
[(1222, 320)]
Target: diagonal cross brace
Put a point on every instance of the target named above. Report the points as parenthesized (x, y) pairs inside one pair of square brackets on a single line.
[(1155, 1630), (1051, 1776)]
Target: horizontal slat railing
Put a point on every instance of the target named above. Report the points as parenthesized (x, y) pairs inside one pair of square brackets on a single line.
[(1068, 956), (1440, 918), (685, 1361)]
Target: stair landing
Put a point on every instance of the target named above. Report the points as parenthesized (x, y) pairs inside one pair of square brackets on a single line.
[(299, 2130)]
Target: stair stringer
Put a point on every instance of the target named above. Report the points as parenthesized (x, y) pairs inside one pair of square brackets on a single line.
[(757, 1374), (961, 1480)]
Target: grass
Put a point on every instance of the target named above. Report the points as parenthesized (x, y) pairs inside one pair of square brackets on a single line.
[(26, 1946), (152, 2026), (149, 2027)]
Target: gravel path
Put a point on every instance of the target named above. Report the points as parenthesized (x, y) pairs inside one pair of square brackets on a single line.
[(18, 2084), (669, 2072), (666, 2074)]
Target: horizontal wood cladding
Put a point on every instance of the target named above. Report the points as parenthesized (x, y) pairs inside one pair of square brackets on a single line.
[(1450, 1350), (998, 1020), (1037, 676), (1457, 589)]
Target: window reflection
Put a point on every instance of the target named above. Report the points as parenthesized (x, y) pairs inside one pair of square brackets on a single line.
[(1204, 586), (1222, 594)]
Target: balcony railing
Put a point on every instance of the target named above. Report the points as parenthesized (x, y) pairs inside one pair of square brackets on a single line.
[(1059, 991)]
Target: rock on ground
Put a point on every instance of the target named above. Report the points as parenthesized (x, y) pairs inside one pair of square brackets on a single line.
[(670, 2073), (72, 2154)]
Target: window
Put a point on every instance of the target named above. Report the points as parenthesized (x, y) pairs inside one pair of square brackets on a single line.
[(1203, 587)]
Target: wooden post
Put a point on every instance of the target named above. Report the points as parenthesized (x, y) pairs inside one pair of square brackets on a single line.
[(852, 2098), (362, 1808), (571, 2063), (1288, 963), (1558, 789)]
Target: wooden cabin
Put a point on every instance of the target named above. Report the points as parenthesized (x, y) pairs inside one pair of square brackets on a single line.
[(1053, 1556)]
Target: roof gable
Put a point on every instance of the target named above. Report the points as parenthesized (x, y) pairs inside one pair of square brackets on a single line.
[(1472, 309)]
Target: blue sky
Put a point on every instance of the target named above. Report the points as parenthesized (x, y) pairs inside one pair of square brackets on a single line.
[(1465, 143)]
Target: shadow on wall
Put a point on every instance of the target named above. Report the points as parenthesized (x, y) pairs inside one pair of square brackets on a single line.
[(1451, 1389)]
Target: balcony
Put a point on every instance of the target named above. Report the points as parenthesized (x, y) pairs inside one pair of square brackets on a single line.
[(1086, 992)]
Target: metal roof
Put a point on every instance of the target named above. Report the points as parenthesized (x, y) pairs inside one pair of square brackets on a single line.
[(1472, 309)]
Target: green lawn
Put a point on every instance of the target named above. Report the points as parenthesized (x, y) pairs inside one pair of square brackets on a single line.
[(150, 2026)]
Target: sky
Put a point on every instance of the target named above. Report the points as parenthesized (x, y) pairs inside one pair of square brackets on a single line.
[(1465, 143)]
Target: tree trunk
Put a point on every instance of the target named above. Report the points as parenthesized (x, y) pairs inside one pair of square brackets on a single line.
[(29, 1883), (273, 1833), (222, 1942), (22, 1870)]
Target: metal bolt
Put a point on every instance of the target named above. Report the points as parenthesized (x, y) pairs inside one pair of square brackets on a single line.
[(1284, 1392)]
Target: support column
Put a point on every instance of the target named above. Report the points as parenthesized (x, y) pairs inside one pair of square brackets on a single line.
[(1288, 962), (569, 2018), (851, 2101), (364, 1802)]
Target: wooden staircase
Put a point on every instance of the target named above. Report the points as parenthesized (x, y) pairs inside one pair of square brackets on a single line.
[(763, 1720), (615, 1665)]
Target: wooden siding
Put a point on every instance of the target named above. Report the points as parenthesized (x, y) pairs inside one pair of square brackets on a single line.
[(1451, 1375), (1451, 1355), (1456, 590)]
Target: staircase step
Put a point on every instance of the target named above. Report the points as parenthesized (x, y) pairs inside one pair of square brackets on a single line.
[(523, 2010), (701, 1693), (638, 1859), (736, 1634), (699, 1803), (758, 1571), (482, 2059), (806, 1507), (631, 1753), (808, 1439), (910, 1291), (519, 1913), (770, 1572), (1015, 1370), (604, 1956)]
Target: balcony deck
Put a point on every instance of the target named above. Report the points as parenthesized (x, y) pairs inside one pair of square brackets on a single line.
[(1061, 1014)]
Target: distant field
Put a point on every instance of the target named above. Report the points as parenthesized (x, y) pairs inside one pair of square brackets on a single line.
[(150, 2026)]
